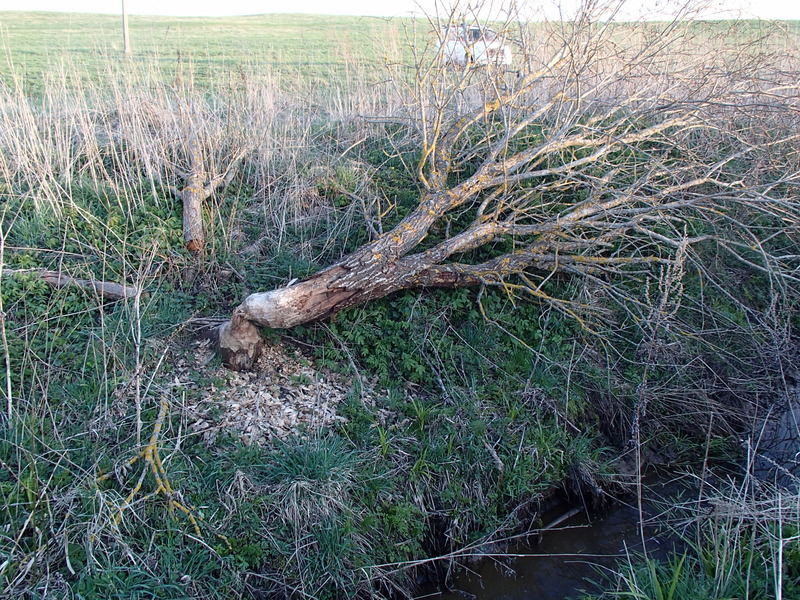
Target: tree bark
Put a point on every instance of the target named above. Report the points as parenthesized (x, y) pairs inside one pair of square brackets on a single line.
[(194, 237), (365, 275), (200, 185)]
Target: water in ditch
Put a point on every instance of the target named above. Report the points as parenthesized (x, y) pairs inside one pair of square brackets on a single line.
[(566, 558)]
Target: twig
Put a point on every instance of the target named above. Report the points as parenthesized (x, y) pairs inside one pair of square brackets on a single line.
[(152, 464)]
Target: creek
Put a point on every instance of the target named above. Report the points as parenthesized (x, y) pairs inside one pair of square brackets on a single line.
[(570, 554)]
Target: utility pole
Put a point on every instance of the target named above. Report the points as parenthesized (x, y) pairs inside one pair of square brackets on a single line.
[(126, 40)]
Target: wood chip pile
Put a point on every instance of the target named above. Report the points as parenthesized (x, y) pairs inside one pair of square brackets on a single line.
[(284, 395)]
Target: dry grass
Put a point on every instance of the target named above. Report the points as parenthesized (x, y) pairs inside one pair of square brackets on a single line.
[(124, 139)]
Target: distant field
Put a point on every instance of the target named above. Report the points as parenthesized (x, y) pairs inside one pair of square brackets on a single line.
[(288, 46), (294, 45)]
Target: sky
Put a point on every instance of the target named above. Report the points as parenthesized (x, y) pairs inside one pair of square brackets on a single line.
[(765, 9)]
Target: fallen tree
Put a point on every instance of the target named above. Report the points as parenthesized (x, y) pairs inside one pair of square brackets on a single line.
[(610, 149)]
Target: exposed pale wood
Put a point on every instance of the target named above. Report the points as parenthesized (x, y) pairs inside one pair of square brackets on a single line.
[(240, 343)]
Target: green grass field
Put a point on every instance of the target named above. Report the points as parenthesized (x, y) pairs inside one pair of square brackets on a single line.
[(287, 46)]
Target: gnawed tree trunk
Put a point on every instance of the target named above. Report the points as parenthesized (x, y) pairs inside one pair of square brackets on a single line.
[(192, 196), (387, 265), (200, 185), (322, 295), (240, 343)]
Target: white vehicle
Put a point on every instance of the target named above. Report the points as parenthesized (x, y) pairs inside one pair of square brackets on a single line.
[(463, 45)]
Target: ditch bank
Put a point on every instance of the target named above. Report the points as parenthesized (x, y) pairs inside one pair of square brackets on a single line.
[(579, 551), (569, 554), (389, 482)]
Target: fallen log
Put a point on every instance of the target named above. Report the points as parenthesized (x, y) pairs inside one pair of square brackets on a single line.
[(106, 289)]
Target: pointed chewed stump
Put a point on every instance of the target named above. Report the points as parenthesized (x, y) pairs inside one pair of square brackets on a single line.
[(240, 343)]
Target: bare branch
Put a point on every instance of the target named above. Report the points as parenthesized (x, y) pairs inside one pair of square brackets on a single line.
[(106, 289)]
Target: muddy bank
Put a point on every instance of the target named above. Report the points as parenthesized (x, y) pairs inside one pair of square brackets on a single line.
[(773, 448)]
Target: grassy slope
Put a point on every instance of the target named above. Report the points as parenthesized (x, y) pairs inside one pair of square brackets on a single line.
[(381, 488), (515, 419)]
